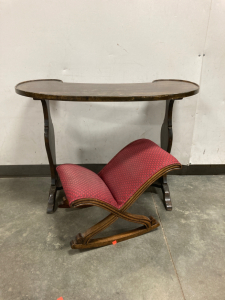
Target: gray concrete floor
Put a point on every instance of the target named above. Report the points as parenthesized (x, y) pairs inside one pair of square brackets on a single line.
[(182, 259)]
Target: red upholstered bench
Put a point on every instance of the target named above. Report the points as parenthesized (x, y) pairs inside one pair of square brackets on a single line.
[(115, 188)]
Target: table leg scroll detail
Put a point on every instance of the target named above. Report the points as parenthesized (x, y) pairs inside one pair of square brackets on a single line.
[(166, 144), (166, 193), (49, 138), (52, 200)]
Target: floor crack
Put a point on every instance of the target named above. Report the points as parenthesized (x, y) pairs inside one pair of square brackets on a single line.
[(167, 245)]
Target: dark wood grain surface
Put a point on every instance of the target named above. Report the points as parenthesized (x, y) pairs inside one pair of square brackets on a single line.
[(57, 90)]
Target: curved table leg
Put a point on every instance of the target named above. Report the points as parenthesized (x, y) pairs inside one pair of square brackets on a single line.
[(166, 144), (50, 149)]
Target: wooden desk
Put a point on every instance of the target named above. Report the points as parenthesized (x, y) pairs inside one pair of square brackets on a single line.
[(52, 89)]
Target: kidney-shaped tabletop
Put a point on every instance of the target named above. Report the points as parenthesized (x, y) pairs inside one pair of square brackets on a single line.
[(53, 89)]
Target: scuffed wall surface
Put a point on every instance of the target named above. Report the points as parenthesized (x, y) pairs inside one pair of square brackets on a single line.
[(103, 41)]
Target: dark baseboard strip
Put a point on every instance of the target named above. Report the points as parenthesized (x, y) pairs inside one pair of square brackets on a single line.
[(200, 170), (43, 170), (37, 170)]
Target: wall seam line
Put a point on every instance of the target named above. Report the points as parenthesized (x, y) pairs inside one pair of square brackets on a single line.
[(200, 80)]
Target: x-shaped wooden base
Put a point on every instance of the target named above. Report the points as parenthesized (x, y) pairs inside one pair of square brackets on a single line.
[(85, 241)]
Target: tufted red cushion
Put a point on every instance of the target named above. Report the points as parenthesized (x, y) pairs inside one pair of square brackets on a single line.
[(120, 178), (132, 167), (80, 183)]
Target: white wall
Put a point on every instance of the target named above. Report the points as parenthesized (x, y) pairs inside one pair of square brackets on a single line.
[(209, 130), (111, 41)]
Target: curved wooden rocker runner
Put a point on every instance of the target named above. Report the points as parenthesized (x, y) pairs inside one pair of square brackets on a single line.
[(116, 188)]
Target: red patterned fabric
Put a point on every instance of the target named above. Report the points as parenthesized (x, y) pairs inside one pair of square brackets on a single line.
[(80, 183), (120, 178), (132, 167)]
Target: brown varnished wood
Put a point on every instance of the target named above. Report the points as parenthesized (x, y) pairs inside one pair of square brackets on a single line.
[(100, 242), (166, 144), (166, 129), (65, 204), (54, 89), (49, 138), (166, 193), (86, 237), (84, 240), (64, 91)]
